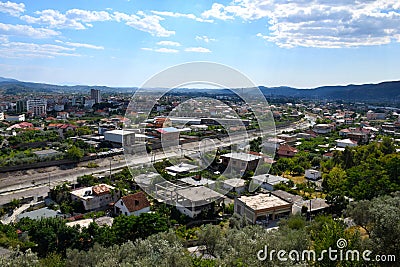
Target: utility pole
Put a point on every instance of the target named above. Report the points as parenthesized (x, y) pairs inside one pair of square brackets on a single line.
[(110, 168)]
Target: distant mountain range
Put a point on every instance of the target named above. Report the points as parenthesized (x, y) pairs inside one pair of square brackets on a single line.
[(385, 91), (15, 87), (381, 92)]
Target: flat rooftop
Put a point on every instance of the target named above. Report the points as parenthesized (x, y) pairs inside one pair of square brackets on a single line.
[(119, 132), (235, 182), (92, 191), (180, 168), (287, 196), (263, 201), (241, 156), (194, 182), (38, 214), (315, 204), (199, 194), (269, 179), (45, 152)]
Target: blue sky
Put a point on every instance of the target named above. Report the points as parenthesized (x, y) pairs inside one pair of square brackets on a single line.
[(300, 43)]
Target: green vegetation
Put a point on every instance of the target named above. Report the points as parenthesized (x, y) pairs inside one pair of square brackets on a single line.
[(75, 153), (362, 172), (127, 244)]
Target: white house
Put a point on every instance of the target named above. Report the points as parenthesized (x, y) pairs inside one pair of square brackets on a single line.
[(15, 118), (96, 197), (322, 128), (134, 204), (267, 181), (313, 174), (235, 184), (345, 143), (120, 137)]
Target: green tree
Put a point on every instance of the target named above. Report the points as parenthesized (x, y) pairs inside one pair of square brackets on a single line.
[(75, 153)]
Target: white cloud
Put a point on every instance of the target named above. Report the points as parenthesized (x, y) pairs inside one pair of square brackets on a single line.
[(26, 30), (14, 9), (161, 50), (82, 19), (87, 16), (205, 38), (198, 50), (32, 50), (144, 22), (73, 19), (89, 46), (180, 15), (168, 43), (318, 23), (217, 11)]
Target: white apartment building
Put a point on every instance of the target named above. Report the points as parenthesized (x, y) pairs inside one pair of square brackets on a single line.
[(37, 106)]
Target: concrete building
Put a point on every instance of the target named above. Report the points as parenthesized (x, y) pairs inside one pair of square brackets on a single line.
[(169, 136), (375, 116), (273, 144), (345, 143), (322, 128), (268, 181), (189, 200), (37, 106), (134, 204), (262, 207), (1, 116), (39, 214), (21, 106), (96, 197), (120, 137), (241, 161), (42, 154), (182, 168), (59, 107), (95, 95), (314, 206), (290, 139), (89, 103), (234, 185), (192, 201), (15, 117), (313, 174)]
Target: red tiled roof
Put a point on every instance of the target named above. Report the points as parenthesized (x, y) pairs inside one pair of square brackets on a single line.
[(286, 147), (100, 189), (25, 124), (136, 201)]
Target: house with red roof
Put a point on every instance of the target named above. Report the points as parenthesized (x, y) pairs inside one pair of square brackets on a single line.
[(134, 204), (22, 125), (286, 151)]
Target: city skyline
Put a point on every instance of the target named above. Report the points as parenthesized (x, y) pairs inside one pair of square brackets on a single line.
[(123, 43)]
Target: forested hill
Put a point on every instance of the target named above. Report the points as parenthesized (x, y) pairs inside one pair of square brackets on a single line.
[(385, 91)]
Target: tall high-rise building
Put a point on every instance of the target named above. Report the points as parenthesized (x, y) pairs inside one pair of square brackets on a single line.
[(21, 106), (95, 95), (37, 106)]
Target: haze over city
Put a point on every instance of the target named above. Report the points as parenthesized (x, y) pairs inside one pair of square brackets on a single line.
[(276, 43)]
